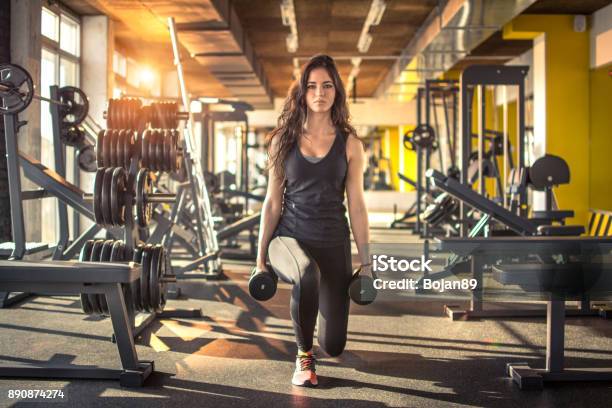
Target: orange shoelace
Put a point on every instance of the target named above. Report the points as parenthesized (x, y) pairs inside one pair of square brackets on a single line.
[(307, 362)]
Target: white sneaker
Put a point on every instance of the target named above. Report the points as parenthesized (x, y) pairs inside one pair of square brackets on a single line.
[(305, 372)]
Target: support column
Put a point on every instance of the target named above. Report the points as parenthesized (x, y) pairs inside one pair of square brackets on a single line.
[(561, 99), (25, 51), (5, 56)]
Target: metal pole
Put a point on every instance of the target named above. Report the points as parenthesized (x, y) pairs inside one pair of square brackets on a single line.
[(481, 125), (521, 142), (60, 169), (505, 136), (14, 181)]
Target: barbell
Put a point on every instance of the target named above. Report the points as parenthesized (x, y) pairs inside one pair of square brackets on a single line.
[(17, 92)]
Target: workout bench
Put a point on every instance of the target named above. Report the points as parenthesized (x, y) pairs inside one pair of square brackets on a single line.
[(67, 277)]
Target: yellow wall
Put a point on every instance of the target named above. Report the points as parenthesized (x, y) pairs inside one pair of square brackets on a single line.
[(567, 100), (410, 160), (392, 142), (600, 176)]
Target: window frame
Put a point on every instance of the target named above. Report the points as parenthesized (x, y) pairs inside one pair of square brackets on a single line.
[(54, 46)]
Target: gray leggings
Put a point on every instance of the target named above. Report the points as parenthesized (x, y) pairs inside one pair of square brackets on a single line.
[(320, 279)]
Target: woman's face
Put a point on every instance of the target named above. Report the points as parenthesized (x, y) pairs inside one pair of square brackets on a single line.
[(320, 91)]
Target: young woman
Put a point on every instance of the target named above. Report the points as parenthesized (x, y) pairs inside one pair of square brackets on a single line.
[(314, 157)]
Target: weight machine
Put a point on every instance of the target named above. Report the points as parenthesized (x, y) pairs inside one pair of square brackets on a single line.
[(107, 281)]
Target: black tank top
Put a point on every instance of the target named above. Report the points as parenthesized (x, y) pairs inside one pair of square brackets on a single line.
[(313, 200)]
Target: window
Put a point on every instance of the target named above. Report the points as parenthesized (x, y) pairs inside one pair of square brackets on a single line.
[(50, 22), (69, 35), (60, 60), (119, 64)]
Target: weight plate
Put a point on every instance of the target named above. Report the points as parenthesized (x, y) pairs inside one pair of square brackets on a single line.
[(144, 141), (126, 150), (105, 252), (105, 256), (76, 105), (86, 159), (167, 271), (147, 254), (128, 147), (131, 114), (108, 136), (112, 148), (106, 196), (154, 137), (84, 257), (135, 286), (177, 152), (155, 115), (172, 115), (140, 118), (159, 151), (97, 201), (118, 255), (159, 139), (423, 136), (143, 189), (166, 150), (119, 148), (117, 196), (100, 149), (95, 257), (155, 271), (19, 89), (121, 114)]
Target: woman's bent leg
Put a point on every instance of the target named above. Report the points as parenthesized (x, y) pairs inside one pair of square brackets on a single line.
[(293, 264)]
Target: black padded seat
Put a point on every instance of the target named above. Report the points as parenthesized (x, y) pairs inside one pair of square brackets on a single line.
[(548, 171), (552, 214), (560, 230)]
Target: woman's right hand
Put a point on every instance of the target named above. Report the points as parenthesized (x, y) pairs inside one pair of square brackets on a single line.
[(261, 267)]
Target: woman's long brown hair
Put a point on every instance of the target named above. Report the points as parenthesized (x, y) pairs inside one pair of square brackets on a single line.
[(293, 116)]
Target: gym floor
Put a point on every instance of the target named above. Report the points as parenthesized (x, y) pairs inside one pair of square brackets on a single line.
[(241, 353)]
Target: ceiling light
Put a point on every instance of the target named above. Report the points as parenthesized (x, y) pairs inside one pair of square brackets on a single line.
[(209, 100), (377, 9), (364, 42), (287, 12), (292, 42), (288, 17), (296, 69), (375, 14)]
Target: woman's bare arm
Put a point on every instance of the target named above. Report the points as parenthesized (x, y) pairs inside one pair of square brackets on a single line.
[(356, 202), (270, 212)]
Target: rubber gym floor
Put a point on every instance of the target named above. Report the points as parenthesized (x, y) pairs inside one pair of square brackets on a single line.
[(241, 353)]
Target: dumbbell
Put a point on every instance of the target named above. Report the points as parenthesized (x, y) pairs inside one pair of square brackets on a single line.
[(361, 288), (262, 284)]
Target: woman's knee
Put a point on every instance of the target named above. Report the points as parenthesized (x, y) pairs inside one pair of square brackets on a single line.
[(332, 348)]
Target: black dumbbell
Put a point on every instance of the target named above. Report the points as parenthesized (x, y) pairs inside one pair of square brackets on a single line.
[(262, 284), (361, 288)]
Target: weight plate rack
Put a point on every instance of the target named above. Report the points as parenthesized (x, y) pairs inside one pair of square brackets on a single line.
[(128, 152)]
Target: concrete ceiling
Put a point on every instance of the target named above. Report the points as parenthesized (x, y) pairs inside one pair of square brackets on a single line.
[(332, 27), (237, 48)]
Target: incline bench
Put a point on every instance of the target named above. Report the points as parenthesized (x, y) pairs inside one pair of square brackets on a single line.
[(68, 277)]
